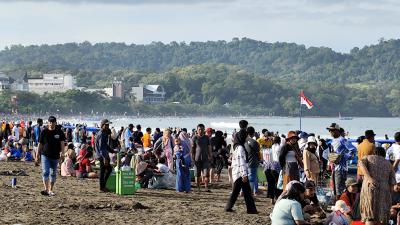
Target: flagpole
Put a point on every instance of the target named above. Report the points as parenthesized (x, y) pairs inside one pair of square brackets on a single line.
[(300, 111)]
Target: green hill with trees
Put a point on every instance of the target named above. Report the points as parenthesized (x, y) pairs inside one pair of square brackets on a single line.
[(242, 76)]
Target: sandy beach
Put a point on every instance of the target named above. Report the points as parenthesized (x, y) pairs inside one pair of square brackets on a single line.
[(80, 202)]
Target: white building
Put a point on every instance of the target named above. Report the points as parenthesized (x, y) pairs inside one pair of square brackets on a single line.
[(52, 83), (4, 82), (150, 94)]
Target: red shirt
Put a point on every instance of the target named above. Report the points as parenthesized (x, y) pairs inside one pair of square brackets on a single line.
[(83, 165), (82, 152)]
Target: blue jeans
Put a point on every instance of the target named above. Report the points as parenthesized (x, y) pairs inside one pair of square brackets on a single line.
[(49, 168), (253, 179)]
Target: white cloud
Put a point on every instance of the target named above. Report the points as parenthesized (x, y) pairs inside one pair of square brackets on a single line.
[(340, 24)]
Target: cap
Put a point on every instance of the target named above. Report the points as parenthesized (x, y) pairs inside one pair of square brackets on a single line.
[(350, 182), (309, 184), (303, 135), (52, 119), (369, 133), (104, 121), (333, 126)]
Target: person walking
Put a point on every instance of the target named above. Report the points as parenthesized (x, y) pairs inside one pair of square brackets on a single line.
[(102, 147), (379, 179), (240, 175), (50, 149), (201, 154)]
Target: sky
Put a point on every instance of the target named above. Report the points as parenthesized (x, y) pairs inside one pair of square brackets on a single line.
[(338, 24)]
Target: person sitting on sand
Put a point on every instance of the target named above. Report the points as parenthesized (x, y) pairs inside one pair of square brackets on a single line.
[(351, 197), (310, 204), (395, 209), (28, 156), (67, 167), (16, 153), (163, 178), (161, 167), (287, 209), (85, 167), (339, 215)]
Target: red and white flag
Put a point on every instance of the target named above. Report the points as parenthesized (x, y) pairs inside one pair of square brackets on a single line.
[(305, 101)]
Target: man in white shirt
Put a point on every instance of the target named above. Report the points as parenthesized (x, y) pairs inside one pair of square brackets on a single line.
[(396, 154), (15, 132)]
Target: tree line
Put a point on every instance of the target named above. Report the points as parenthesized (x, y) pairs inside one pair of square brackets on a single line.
[(242, 76)]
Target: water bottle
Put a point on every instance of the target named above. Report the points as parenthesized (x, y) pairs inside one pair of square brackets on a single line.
[(14, 182)]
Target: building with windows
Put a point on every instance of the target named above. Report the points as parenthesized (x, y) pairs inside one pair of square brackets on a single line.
[(149, 94), (118, 89), (4, 82), (52, 83)]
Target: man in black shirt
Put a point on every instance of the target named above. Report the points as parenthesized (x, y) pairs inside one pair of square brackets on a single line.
[(252, 152), (102, 147), (51, 147), (201, 154)]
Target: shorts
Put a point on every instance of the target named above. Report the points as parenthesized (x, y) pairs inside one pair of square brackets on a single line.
[(49, 169), (201, 166)]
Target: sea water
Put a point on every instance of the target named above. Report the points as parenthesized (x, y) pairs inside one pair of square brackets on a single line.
[(355, 127)]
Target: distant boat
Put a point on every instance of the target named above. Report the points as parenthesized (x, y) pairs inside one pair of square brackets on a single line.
[(344, 118)]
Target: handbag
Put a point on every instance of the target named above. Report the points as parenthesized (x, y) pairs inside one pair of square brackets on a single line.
[(334, 158)]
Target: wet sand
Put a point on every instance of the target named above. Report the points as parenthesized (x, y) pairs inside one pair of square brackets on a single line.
[(80, 202)]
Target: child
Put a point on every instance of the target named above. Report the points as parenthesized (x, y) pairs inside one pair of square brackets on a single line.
[(161, 167), (28, 156), (17, 152), (67, 167), (395, 202), (178, 150)]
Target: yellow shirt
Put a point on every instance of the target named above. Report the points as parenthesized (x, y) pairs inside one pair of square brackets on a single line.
[(263, 143), (364, 149), (146, 139)]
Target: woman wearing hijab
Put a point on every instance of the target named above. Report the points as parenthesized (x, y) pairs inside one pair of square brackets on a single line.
[(183, 160), (168, 148), (218, 145), (240, 175)]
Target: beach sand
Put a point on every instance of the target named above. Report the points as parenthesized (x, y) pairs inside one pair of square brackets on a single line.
[(80, 202)]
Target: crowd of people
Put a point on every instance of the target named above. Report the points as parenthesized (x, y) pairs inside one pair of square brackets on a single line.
[(299, 167)]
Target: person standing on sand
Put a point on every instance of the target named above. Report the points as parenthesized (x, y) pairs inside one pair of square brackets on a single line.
[(201, 154), (50, 149), (252, 148), (345, 150), (102, 146), (240, 175), (367, 147)]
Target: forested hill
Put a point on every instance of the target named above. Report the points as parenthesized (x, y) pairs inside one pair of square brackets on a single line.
[(379, 62), (237, 77)]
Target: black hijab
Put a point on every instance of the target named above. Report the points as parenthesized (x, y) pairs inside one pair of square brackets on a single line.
[(240, 138)]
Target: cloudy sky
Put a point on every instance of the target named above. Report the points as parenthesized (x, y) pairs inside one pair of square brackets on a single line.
[(339, 24)]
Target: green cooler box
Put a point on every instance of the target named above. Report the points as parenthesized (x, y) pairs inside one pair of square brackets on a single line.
[(125, 182), (111, 182)]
